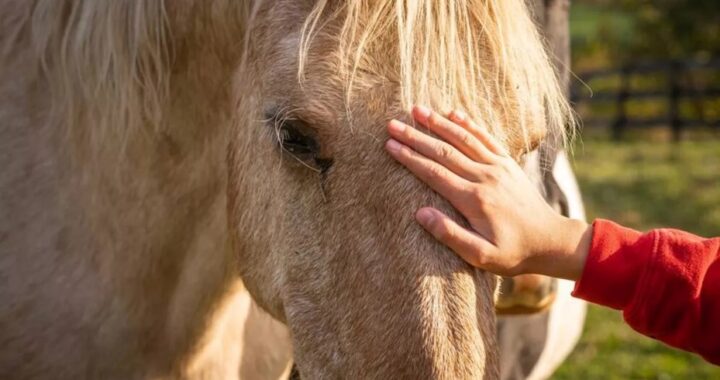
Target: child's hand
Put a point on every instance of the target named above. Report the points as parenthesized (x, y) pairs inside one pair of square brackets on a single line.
[(513, 230)]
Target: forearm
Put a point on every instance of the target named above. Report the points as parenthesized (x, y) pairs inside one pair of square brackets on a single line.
[(665, 282)]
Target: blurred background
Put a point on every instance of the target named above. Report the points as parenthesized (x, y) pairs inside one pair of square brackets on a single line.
[(648, 92)]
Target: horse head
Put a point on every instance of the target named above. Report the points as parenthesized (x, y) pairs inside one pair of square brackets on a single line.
[(322, 219)]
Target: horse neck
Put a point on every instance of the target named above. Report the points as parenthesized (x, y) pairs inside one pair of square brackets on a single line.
[(134, 229), (159, 212)]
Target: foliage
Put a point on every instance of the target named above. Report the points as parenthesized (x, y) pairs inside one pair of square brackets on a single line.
[(612, 32), (676, 28)]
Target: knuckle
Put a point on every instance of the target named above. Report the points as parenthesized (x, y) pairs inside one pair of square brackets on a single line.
[(484, 200), (435, 173), (480, 259), (410, 134), (478, 172), (434, 119), (477, 258), (465, 138), (488, 203), (444, 151), (491, 175), (477, 195), (475, 127)]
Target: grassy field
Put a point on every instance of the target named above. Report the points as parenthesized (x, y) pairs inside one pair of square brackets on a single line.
[(644, 184)]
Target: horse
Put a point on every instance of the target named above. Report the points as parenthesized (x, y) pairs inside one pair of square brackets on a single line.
[(165, 166)]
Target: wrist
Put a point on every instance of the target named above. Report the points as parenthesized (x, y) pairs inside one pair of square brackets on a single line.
[(565, 251), (577, 238)]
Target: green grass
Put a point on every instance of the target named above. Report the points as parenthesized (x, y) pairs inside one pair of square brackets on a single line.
[(644, 184)]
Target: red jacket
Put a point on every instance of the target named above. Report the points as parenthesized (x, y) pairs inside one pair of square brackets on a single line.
[(666, 282)]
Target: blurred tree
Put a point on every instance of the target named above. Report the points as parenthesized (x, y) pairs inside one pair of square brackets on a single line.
[(609, 32), (675, 28)]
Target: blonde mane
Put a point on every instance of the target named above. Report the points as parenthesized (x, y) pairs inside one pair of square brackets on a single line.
[(483, 56), (108, 63)]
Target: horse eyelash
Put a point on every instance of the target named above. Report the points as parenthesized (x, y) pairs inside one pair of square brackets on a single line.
[(280, 116)]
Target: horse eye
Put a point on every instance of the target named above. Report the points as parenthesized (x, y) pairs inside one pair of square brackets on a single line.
[(298, 138), (294, 137)]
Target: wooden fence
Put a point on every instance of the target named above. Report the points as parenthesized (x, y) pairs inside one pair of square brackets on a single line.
[(675, 83)]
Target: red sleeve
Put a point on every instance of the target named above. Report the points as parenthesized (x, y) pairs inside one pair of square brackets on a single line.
[(666, 282)]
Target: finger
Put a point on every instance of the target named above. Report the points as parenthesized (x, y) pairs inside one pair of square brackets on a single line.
[(435, 149), (470, 246), (446, 183), (460, 138), (479, 132)]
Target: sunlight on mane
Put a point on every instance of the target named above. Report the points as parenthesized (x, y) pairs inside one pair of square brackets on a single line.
[(483, 56), (108, 62)]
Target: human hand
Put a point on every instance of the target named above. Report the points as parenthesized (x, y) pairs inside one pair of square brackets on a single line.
[(513, 230)]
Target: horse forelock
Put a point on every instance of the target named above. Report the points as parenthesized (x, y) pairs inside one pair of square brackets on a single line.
[(483, 56), (108, 64)]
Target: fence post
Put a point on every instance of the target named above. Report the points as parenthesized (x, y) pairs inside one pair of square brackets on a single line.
[(674, 119), (623, 93)]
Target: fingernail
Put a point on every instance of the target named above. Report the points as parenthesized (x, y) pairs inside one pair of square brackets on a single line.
[(396, 126), (458, 115), (393, 145), (422, 112), (425, 217)]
